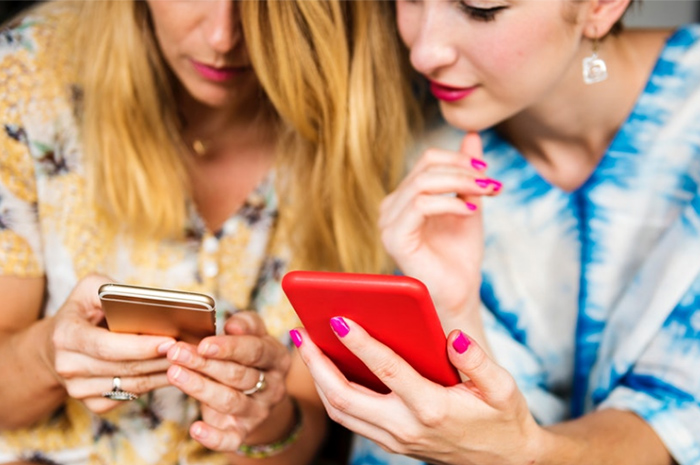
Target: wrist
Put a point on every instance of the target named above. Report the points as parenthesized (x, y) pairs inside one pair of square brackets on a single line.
[(254, 447)]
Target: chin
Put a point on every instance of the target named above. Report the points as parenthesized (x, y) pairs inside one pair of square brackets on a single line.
[(469, 120)]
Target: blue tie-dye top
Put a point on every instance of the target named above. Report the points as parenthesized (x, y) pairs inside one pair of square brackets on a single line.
[(592, 297)]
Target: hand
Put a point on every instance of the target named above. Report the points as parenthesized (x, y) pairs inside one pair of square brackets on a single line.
[(437, 237), (86, 357), (220, 368), (484, 420)]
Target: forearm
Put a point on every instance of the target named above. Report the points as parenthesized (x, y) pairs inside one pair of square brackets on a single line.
[(29, 391), (607, 437)]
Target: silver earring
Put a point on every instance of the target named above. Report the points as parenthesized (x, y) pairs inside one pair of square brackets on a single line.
[(594, 67)]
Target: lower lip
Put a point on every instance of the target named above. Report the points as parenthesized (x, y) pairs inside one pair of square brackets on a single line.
[(217, 74), (449, 94)]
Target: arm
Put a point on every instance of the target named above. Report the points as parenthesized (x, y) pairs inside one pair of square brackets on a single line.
[(484, 420), (32, 385)]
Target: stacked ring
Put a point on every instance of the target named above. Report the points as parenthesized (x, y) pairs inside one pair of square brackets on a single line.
[(117, 393)]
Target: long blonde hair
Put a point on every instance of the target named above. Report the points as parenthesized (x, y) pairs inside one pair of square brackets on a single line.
[(332, 72)]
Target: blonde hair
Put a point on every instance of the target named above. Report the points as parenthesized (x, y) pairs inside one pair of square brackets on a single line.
[(331, 70)]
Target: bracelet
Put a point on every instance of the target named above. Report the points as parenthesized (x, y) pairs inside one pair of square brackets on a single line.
[(262, 451)]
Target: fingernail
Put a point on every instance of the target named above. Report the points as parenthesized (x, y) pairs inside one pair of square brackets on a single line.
[(180, 375), (199, 432), (470, 206), (209, 349), (478, 164), (296, 337), (164, 347), (182, 355), (340, 327), (484, 183), (461, 343)]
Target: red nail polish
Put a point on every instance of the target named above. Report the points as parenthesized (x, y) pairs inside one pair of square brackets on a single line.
[(340, 327), (478, 164), (470, 206), (461, 343), (296, 337)]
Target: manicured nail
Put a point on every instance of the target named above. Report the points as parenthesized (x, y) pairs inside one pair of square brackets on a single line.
[(470, 206), (484, 183), (478, 164), (461, 343), (296, 337), (209, 349), (340, 327), (164, 347)]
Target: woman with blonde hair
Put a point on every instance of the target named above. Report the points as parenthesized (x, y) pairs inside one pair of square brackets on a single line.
[(202, 146)]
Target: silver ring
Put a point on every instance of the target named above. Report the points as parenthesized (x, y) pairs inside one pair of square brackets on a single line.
[(117, 394), (259, 386)]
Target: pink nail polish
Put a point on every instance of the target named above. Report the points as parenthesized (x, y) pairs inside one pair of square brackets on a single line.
[(478, 164), (470, 206), (497, 185), (296, 337), (461, 343), (340, 327), (483, 183)]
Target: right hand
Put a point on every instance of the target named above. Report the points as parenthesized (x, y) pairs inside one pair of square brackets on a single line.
[(435, 236), (87, 357)]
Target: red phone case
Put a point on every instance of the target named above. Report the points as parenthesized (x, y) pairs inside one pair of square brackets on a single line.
[(395, 310)]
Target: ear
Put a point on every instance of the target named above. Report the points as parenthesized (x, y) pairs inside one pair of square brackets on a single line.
[(602, 15)]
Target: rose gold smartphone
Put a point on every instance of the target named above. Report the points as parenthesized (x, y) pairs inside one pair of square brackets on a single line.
[(186, 316)]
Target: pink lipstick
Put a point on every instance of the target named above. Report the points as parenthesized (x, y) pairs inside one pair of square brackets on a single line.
[(217, 74), (450, 94)]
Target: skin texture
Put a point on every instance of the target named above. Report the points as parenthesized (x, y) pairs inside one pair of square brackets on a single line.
[(523, 69)]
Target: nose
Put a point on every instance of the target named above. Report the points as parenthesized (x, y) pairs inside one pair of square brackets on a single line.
[(433, 47), (222, 28)]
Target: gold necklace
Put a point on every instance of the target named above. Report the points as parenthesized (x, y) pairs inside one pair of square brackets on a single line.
[(200, 147)]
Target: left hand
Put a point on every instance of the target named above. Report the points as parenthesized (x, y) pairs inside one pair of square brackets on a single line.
[(484, 420), (220, 368)]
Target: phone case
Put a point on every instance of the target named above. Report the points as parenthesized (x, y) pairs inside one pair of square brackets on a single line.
[(395, 310), (187, 316)]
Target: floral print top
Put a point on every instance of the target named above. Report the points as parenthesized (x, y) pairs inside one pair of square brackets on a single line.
[(49, 228)]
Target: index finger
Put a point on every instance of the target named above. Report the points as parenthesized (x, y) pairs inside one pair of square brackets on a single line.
[(103, 344), (254, 351), (397, 374)]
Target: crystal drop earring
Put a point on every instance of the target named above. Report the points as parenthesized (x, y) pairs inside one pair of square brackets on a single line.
[(594, 67)]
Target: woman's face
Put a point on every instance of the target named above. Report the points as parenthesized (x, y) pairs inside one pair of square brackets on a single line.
[(202, 42), (487, 60)]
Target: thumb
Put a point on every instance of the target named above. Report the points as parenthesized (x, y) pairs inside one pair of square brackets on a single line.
[(472, 147), (493, 383)]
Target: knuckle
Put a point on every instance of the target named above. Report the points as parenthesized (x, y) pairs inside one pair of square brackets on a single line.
[(387, 369), (230, 400), (337, 401), (431, 416)]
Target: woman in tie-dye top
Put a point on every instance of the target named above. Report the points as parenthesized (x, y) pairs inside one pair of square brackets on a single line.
[(589, 295)]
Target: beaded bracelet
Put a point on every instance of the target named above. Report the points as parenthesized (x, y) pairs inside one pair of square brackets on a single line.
[(262, 451)]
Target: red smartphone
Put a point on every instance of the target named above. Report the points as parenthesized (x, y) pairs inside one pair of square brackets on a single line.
[(395, 310)]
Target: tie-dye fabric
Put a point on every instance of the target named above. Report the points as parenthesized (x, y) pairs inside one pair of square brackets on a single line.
[(592, 297)]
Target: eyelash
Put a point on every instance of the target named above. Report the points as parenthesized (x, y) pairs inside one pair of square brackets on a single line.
[(481, 14)]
